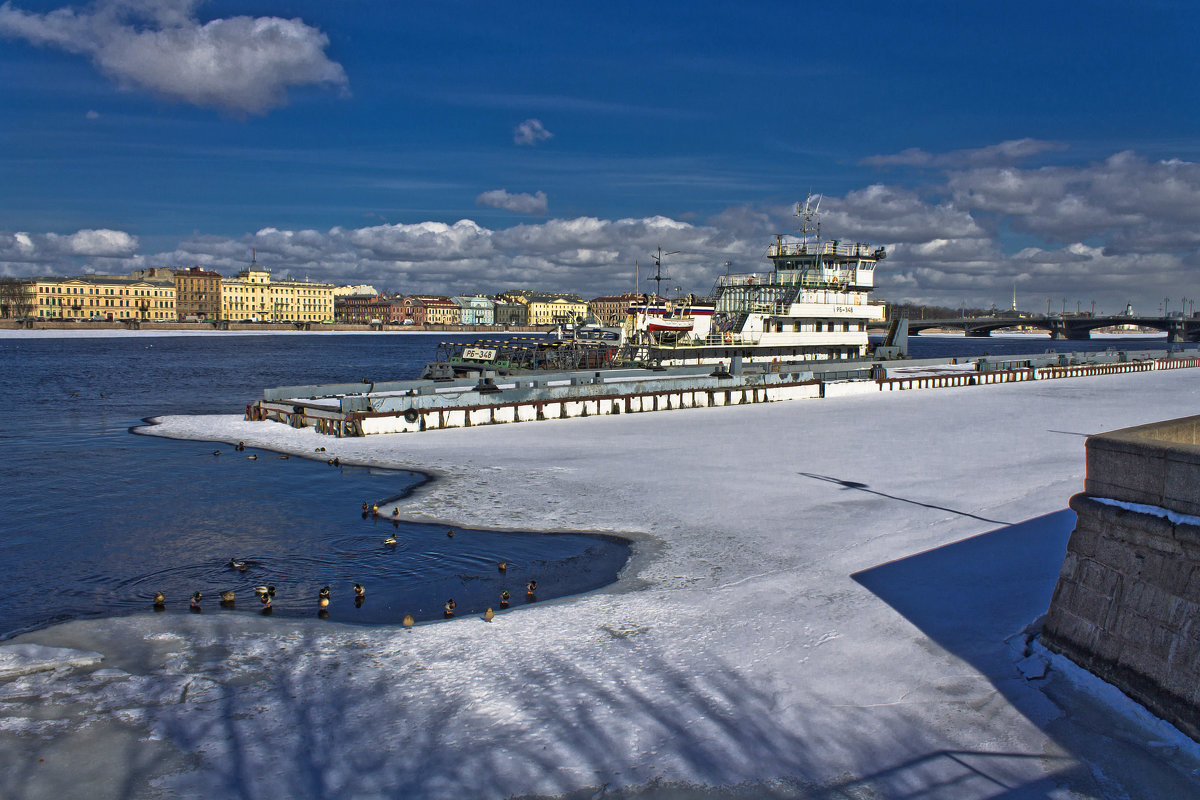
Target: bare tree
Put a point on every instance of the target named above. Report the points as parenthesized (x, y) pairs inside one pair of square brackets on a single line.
[(16, 298)]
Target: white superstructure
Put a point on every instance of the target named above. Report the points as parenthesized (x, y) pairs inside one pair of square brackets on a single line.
[(814, 304)]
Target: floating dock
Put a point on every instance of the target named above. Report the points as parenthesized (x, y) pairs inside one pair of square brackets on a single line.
[(360, 409)]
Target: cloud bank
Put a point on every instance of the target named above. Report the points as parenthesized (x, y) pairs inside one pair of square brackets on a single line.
[(1117, 230), (238, 64)]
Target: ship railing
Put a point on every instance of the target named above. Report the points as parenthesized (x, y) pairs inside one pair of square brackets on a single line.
[(833, 248), (746, 279)]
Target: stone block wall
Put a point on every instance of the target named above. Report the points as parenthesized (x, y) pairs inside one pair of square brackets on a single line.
[(1127, 602)]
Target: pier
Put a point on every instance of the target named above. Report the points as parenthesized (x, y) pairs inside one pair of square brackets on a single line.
[(359, 409)]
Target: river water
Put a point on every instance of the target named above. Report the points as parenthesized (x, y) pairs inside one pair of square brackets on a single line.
[(96, 519)]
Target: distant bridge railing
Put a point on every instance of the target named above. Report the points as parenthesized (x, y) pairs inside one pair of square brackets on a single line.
[(1178, 329)]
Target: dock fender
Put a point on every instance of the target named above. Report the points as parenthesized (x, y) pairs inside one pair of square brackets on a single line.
[(411, 415)]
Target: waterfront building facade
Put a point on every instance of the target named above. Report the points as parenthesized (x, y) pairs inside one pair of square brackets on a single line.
[(553, 309), (612, 309), (197, 294), (414, 311), (475, 309), (364, 310), (441, 311), (510, 313), (255, 297), (110, 298)]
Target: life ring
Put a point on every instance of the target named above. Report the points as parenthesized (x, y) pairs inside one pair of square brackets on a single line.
[(410, 415), (728, 339)]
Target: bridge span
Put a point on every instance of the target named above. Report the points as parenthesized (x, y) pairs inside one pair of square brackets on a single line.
[(1178, 329)]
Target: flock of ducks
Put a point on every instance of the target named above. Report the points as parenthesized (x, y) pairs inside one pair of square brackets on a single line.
[(266, 593)]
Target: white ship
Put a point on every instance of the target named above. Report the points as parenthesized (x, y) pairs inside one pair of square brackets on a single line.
[(814, 304)]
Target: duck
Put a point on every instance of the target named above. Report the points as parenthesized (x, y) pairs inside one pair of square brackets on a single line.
[(531, 588), (359, 591), (227, 596), (319, 450), (488, 615), (216, 452), (323, 597), (240, 446), (337, 462), (266, 602), (504, 597), (284, 458), (375, 509), (265, 591), (159, 600), (195, 602), (502, 566), (408, 621), (252, 457), (238, 564), (366, 508), (390, 541), (448, 611), (450, 534), (395, 511)]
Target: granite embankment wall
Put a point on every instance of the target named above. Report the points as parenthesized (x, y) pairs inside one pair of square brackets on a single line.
[(1127, 603)]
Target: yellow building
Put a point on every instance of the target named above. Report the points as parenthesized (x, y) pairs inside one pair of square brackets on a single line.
[(252, 295), (547, 309), (104, 297)]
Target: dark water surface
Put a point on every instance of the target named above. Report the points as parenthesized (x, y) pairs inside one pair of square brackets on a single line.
[(96, 519)]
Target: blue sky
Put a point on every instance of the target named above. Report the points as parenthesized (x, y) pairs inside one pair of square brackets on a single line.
[(457, 146)]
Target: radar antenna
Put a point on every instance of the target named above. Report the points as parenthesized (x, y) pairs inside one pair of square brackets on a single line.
[(810, 220), (658, 276)]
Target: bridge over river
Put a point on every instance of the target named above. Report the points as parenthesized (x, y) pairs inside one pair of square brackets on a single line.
[(1178, 329)]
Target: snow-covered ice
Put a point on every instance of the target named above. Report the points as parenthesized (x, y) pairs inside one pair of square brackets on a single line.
[(828, 598)]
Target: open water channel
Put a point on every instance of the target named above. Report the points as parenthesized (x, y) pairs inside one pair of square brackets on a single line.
[(95, 519)]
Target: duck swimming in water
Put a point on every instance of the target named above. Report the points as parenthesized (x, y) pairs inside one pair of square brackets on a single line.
[(504, 597), (195, 602), (450, 534), (252, 457), (266, 603), (448, 611), (531, 588), (240, 446), (227, 597), (159, 600), (265, 591), (323, 597), (359, 591), (409, 621), (502, 566), (390, 541), (238, 564)]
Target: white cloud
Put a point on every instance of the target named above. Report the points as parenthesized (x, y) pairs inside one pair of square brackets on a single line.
[(520, 202), (239, 64), (1118, 230), (530, 132)]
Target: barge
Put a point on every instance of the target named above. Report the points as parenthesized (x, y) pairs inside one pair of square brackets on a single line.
[(488, 399)]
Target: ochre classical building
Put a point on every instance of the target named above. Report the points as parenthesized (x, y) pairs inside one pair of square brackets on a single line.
[(197, 294), (546, 309), (252, 295), (106, 297), (440, 311), (612, 309)]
